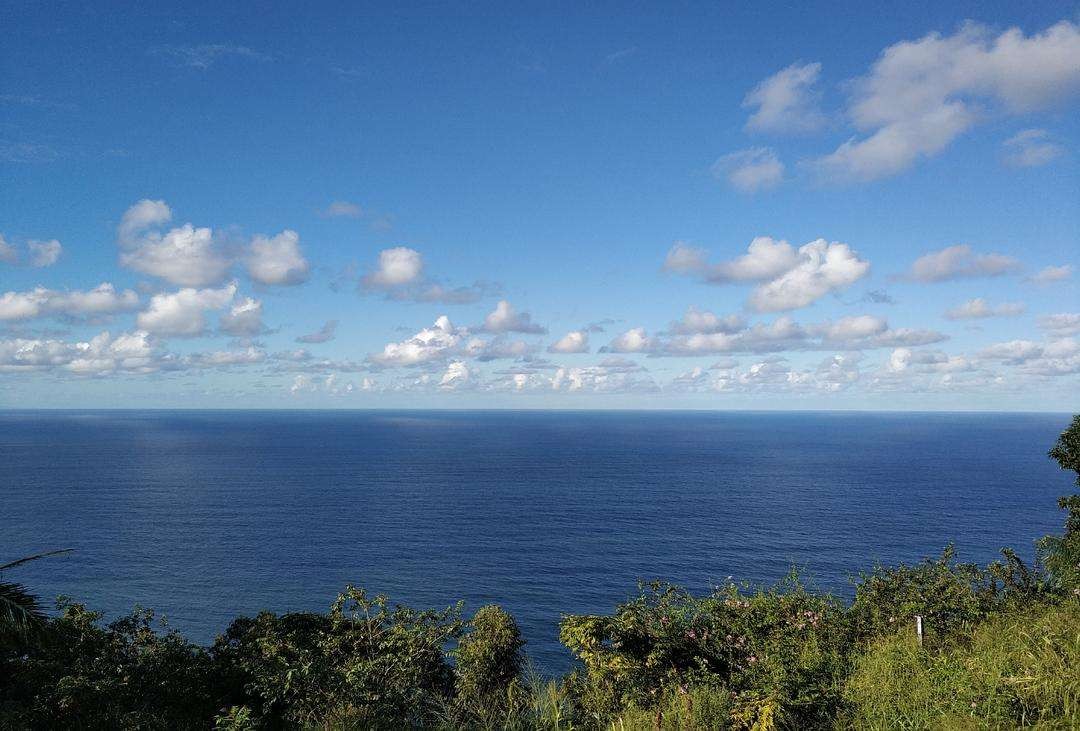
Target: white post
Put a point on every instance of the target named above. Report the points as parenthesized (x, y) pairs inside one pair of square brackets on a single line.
[(918, 627)]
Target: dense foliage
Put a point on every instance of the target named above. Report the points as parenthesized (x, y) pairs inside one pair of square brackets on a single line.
[(1000, 649)]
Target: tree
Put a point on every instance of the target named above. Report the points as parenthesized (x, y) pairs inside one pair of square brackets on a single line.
[(1067, 449)]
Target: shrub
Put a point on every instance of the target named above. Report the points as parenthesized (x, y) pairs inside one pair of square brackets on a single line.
[(362, 664), (950, 596), (489, 658), (125, 675), (780, 651)]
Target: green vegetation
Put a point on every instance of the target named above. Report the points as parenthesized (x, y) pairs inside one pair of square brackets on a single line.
[(1000, 649)]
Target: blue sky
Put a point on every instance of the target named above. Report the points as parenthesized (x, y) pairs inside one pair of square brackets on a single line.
[(540, 206)]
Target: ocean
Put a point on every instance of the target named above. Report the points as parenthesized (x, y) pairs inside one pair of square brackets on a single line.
[(205, 515)]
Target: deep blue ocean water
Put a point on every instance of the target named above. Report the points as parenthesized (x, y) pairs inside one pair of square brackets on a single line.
[(207, 515)]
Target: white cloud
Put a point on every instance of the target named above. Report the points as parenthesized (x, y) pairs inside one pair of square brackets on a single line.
[(957, 262), (322, 335), (980, 308), (1031, 148), (243, 318), (430, 344), (920, 95), (128, 352), (185, 255), (575, 341), (277, 260), (1051, 274), (634, 340), (41, 302), (765, 259), (685, 259), (703, 321), (784, 334), (1062, 323), (183, 313), (44, 253), (193, 257), (141, 216), (504, 318), (786, 101), (398, 266), (751, 170), (400, 274), (789, 278), (499, 348), (458, 376), (1013, 351), (823, 268)]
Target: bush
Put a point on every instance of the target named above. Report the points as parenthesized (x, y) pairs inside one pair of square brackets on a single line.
[(780, 651), (363, 664), (489, 659), (123, 676), (950, 596)]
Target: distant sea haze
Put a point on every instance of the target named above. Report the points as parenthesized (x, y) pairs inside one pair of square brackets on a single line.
[(207, 515)]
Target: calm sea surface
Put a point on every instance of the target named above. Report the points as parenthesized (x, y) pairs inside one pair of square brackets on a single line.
[(207, 515)]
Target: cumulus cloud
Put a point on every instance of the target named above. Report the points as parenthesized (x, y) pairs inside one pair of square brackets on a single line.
[(611, 376), (635, 340), (789, 278), (277, 260), (458, 376), (1051, 274), (575, 341), (1061, 324), (823, 267), (44, 253), (504, 318), (398, 266), (39, 253), (322, 335), (980, 308), (784, 334), (430, 344), (921, 95), (683, 258), (960, 262), (703, 321), (751, 170), (1031, 148), (185, 255), (765, 259), (786, 101), (400, 274), (128, 352), (191, 256), (1012, 351), (244, 318), (100, 301), (183, 313), (499, 348)]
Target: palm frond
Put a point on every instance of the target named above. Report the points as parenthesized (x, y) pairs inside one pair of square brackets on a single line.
[(20, 611), (35, 557)]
